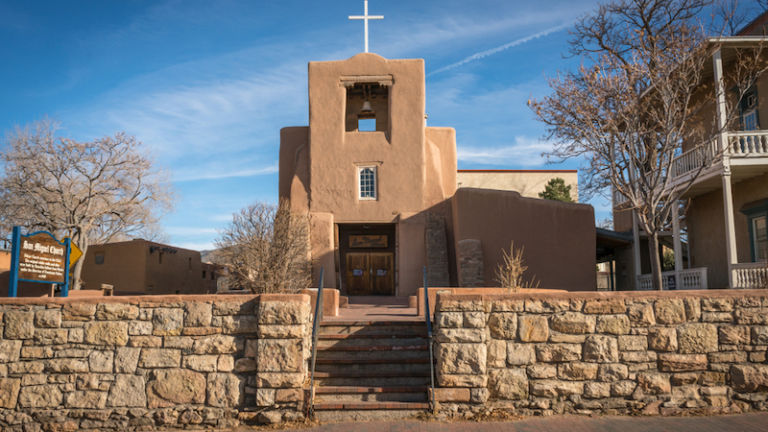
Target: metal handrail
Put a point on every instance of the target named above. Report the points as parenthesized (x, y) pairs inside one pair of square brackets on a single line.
[(315, 323), (429, 335)]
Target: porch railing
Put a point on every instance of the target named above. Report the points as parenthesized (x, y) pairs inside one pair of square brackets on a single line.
[(750, 275), (694, 158), (689, 279)]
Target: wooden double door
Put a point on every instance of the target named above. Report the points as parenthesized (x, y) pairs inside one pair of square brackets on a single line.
[(370, 273)]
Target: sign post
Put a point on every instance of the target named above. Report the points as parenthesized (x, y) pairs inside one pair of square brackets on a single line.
[(39, 257)]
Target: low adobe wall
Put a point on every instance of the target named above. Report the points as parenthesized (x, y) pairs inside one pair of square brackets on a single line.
[(595, 353), (123, 363)]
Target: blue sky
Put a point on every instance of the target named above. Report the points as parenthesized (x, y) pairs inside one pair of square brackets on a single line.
[(206, 86)]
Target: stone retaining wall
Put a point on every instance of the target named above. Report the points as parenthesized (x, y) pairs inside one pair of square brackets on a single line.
[(597, 353), (143, 362)]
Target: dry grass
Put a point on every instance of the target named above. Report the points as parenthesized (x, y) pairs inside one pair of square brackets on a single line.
[(509, 273)]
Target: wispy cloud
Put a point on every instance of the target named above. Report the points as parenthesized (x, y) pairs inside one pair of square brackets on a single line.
[(525, 152), (482, 54), (217, 175), (189, 231)]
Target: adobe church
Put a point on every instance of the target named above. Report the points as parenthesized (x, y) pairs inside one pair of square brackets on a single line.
[(379, 187)]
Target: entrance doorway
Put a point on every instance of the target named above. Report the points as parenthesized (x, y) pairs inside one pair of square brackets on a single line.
[(367, 253)]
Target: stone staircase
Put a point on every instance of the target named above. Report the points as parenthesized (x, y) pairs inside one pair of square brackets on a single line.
[(371, 370)]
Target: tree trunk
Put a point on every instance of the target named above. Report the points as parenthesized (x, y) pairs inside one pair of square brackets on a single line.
[(653, 246), (78, 270)]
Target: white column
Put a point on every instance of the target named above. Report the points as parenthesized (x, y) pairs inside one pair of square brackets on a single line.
[(636, 248), (678, 244), (730, 230)]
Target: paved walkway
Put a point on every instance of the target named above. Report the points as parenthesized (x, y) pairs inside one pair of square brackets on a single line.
[(376, 308), (734, 423)]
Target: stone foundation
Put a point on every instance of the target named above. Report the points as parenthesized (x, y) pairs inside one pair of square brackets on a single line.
[(598, 353), (123, 363)]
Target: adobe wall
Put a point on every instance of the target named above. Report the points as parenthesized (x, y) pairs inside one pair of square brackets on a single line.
[(663, 353), (559, 238), (161, 362), (529, 183)]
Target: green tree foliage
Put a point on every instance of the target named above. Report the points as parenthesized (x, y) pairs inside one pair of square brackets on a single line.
[(557, 190)]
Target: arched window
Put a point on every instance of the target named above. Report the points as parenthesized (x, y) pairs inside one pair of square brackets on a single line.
[(367, 182)]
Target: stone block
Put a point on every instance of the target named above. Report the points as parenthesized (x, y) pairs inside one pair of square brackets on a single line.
[(86, 399), (612, 372), (556, 388), (749, 378), (450, 319), (470, 256), (597, 390), (533, 328), (289, 331), (26, 367), (48, 318), (605, 306), (197, 314), (239, 324), (279, 379), (245, 364), (460, 335), (226, 363), (116, 312), (41, 396), (497, 353), (760, 335), (167, 321), (602, 349), (159, 358), (715, 304), (503, 325), (201, 363), (172, 387), (76, 335), (641, 314), (697, 338), (292, 395), (101, 361), (452, 394), (19, 324), (557, 337), (9, 392), (758, 316), (279, 312), (508, 305), (669, 311), (669, 362), (542, 371), (224, 390), (662, 339), (265, 397), (692, 309), (475, 319), (717, 317), (577, 371), (462, 380), (49, 336), (180, 342), (633, 343), (653, 383), (67, 365), (547, 305), (520, 354), (145, 341), (623, 388), (106, 333), (613, 324), (140, 328), (508, 384), (733, 335), (78, 311), (553, 353), (218, 344), (279, 355), (461, 358), (10, 350), (573, 323)]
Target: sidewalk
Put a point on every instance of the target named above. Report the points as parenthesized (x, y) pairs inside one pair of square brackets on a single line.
[(733, 423)]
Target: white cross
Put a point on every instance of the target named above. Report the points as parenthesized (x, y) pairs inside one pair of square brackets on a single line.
[(365, 19)]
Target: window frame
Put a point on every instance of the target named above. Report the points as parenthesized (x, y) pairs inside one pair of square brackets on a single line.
[(753, 240), (753, 212), (359, 171)]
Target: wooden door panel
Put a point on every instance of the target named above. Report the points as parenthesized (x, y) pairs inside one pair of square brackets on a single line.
[(382, 273), (358, 273)]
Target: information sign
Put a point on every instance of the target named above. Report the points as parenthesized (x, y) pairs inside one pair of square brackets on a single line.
[(39, 257)]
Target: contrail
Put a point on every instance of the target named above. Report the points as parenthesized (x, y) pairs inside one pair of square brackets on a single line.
[(486, 53)]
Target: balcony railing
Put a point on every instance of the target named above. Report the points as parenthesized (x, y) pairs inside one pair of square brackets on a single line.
[(750, 275), (752, 143), (690, 279), (740, 144)]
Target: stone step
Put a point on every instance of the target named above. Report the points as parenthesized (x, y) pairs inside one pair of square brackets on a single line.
[(390, 356), (364, 389), (371, 370), (371, 397), (367, 336), (378, 328), (371, 361), (337, 416), (396, 345), (330, 380), (370, 406)]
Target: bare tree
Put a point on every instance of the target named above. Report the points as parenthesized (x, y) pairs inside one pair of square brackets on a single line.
[(92, 192), (509, 272), (265, 249), (641, 94)]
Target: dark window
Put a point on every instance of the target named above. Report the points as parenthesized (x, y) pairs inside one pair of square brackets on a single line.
[(99, 257), (203, 274)]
